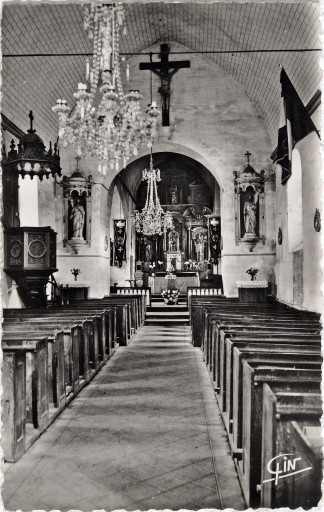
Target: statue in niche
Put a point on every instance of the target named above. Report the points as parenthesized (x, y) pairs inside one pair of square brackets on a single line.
[(78, 217), (174, 194), (200, 242), (250, 214), (173, 238), (148, 251)]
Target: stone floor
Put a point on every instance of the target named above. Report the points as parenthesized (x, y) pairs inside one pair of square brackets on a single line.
[(145, 433)]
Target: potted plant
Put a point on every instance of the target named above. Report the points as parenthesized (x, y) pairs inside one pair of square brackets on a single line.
[(252, 272), (171, 296), (75, 272)]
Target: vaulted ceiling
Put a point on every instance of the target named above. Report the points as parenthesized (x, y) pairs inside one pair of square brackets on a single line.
[(36, 81)]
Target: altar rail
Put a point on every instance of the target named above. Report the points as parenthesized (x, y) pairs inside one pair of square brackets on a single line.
[(124, 290), (205, 292)]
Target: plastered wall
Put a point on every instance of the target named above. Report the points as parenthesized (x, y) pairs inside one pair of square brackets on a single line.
[(92, 259), (288, 265), (214, 121), (213, 118)]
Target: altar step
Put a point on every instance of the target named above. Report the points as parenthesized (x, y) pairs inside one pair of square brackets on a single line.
[(161, 306), (157, 297), (157, 301), (167, 321), (160, 313)]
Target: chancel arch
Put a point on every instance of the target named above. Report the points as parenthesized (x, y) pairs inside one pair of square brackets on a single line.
[(190, 194)]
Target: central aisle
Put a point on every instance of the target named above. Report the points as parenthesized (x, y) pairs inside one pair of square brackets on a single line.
[(145, 433)]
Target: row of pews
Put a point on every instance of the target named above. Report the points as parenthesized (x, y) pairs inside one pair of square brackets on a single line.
[(49, 355), (265, 364)]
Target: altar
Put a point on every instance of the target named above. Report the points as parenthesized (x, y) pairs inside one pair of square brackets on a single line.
[(181, 282)]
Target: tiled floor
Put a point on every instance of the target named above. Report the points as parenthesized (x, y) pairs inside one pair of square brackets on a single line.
[(144, 434)]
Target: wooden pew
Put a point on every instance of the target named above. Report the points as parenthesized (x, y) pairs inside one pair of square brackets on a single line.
[(220, 351), (279, 341), (35, 350), (245, 312), (13, 403), (284, 379), (123, 320), (277, 337), (291, 424), (225, 363), (144, 292), (61, 349), (224, 395), (299, 356), (219, 330), (72, 343), (106, 329), (56, 363)]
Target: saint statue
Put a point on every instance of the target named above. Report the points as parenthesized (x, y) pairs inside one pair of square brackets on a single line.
[(77, 216), (174, 195), (173, 237), (250, 214), (200, 242), (148, 252)]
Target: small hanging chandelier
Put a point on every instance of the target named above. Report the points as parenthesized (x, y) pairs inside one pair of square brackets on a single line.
[(31, 158), (152, 220), (115, 129)]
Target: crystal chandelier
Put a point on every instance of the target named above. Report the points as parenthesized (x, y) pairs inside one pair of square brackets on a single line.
[(152, 220), (113, 130)]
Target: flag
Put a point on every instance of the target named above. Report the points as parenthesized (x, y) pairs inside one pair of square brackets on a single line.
[(214, 241), (295, 124), (120, 241)]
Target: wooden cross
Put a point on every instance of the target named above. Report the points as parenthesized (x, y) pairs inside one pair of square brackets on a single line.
[(165, 71), (248, 154)]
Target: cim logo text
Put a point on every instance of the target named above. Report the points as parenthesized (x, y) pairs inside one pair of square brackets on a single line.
[(287, 464)]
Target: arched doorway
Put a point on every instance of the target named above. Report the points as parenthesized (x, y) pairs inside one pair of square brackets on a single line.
[(190, 193)]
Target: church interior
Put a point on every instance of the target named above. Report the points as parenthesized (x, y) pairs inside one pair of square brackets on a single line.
[(161, 287)]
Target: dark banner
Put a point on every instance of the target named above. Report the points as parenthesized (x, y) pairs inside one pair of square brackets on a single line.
[(215, 242), (120, 241)]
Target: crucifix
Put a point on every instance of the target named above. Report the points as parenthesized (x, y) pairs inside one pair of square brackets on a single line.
[(248, 154), (165, 71)]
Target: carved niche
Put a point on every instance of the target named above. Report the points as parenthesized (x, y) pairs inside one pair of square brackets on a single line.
[(249, 206), (77, 210)]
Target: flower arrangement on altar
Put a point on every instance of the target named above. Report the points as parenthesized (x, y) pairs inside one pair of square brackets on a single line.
[(160, 264), (190, 265), (170, 296), (252, 272)]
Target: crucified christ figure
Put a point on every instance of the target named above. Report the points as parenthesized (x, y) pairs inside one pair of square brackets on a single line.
[(165, 71)]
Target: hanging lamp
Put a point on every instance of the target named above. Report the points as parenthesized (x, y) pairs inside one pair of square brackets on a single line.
[(152, 220), (31, 158), (113, 130)]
